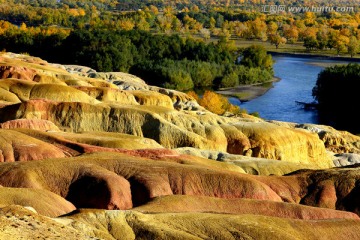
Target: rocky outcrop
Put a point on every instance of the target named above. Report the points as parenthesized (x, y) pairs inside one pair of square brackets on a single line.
[(346, 159), (151, 98), (334, 188), (21, 144), (44, 202), (135, 225), (21, 223), (264, 136), (123, 180), (251, 165), (109, 95), (105, 173), (140, 121), (17, 72), (17, 222), (334, 140), (15, 146), (35, 124), (129, 82), (174, 129), (79, 99), (181, 203)]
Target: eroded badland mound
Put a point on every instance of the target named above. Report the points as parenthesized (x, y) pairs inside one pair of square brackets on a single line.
[(89, 155)]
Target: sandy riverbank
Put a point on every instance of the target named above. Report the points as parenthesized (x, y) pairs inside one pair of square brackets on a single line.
[(248, 92), (316, 56), (326, 64)]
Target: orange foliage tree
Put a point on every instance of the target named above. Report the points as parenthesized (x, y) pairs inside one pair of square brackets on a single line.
[(215, 103)]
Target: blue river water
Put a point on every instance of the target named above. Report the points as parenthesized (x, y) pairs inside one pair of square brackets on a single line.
[(298, 77)]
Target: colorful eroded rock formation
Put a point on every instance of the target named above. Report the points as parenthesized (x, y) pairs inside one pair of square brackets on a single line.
[(78, 147)]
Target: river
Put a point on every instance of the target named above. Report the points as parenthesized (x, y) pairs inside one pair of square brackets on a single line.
[(298, 77)]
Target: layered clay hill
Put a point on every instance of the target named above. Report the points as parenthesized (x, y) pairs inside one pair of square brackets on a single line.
[(92, 155)]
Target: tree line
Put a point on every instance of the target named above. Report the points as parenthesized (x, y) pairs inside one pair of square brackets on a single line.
[(163, 60), (215, 19)]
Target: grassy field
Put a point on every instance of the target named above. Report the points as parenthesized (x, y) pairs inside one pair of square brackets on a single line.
[(288, 48), (296, 48), (325, 64)]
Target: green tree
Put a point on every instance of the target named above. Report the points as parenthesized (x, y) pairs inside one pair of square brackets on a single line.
[(277, 40), (310, 43), (229, 80), (219, 21), (201, 74), (100, 49), (353, 46), (336, 91), (178, 79), (212, 23), (256, 56), (322, 37)]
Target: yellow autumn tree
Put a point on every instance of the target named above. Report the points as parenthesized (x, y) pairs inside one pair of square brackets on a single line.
[(23, 27), (291, 33), (217, 103), (193, 95), (126, 24), (5, 26)]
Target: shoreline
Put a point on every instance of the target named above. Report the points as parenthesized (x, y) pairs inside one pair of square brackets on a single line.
[(248, 92), (315, 56)]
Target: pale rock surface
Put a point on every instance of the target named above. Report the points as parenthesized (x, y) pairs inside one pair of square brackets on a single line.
[(346, 159), (19, 223), (251, 165)]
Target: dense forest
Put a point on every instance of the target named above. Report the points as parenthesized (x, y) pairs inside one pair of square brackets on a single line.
[(336, 92), (323, 30), (179, 4), (168, 61), (179, 44)]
